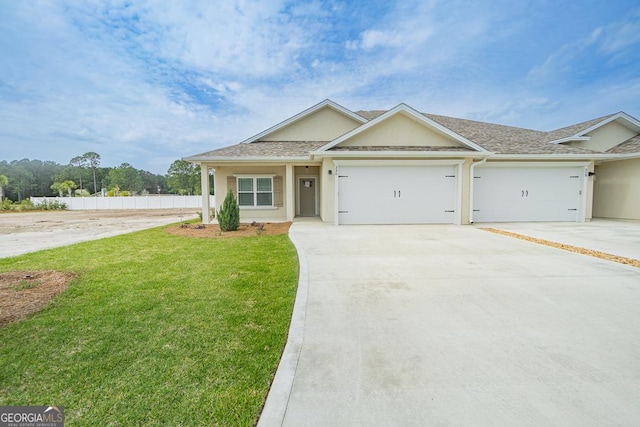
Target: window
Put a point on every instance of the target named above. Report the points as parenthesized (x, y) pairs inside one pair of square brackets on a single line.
[(255, 191)]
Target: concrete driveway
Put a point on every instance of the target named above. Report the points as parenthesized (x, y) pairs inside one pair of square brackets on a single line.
[(452, 325)]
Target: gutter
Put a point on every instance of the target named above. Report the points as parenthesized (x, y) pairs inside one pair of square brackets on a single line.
[(423, 154), (252, 159)]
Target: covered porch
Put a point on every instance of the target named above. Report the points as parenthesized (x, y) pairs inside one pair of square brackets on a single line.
[(265, 192)]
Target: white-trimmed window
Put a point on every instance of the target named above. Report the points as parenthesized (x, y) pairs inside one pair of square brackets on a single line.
[(255, 191)]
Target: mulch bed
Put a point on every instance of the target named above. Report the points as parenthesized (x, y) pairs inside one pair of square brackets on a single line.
[(602, 255), (245, 230), (25, 292)]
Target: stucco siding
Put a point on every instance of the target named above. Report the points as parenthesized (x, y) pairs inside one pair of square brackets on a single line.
[(250, 214), (325, 124), (327, 190), (617, 190), (399, 130)]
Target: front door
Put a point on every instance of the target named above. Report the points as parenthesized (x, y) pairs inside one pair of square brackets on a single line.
[(307, 196)]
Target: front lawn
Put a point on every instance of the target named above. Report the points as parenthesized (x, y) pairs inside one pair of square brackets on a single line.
[(156, 329)]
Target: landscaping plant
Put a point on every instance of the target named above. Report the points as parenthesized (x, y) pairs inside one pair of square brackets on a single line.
[(229, 215)]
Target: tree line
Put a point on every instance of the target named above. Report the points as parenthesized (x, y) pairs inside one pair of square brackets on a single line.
[(84, 176)]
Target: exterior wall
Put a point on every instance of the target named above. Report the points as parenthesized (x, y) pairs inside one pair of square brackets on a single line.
[(617, 190), (276, 214), (465, 205), (606, 137), (325, 124), (588, 210), (327, 190), (400, 130)]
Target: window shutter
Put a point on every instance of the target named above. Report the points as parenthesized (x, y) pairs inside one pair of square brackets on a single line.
[(231, 185), (277, 191)]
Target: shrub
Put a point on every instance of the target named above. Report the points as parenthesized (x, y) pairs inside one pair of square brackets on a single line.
[(52, 205), (26, 205), (229, 214)]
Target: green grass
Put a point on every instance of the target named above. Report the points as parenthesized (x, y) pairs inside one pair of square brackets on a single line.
[(156, 330)]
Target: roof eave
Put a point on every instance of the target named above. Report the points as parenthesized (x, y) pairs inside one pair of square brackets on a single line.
[(569, 139), (621, 115), (555, 156), (252, 159), (335, 154)]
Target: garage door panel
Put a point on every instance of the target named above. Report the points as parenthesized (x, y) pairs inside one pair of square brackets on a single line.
[(527, 194), (396, 194)]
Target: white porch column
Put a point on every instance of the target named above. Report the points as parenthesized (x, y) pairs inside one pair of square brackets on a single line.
[(204, 180), (290, 189)]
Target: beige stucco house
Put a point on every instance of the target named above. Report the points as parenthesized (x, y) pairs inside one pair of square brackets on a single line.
[(402, 166)]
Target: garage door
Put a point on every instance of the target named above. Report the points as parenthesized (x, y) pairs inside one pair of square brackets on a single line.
[(527, 194), (396, 194)]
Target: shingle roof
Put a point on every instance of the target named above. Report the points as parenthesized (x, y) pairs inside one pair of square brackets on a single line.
[(631, 145), (502, 139), (572, 130), (266, 149), (499, 139)]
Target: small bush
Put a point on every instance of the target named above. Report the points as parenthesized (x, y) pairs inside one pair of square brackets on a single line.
[(5, 205), (25, 205), (52, 205), (229, 214)]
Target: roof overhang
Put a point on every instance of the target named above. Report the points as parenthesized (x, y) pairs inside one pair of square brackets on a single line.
[(627, 120), (195, 159), (594, 156), (409, 112), (399, 154), (570, 138)]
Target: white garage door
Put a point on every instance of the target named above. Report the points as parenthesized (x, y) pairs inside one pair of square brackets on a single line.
[(397, 194), (527, 194)]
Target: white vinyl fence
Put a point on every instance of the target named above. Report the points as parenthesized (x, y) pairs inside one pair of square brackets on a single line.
[(133, 202)]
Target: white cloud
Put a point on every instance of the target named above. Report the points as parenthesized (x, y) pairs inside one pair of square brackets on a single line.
[(152, 80), (371, 39)]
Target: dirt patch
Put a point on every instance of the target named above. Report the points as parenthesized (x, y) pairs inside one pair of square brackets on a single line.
[(25, 292), (245, 230), (25, 232), (570, 248)]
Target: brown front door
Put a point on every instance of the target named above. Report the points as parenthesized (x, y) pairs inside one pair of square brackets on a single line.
[(307, 196)]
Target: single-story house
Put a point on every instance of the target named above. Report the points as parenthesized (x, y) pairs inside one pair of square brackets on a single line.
[(402, 166)]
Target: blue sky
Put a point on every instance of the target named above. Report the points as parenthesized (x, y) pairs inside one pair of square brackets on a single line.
[(147, 82)]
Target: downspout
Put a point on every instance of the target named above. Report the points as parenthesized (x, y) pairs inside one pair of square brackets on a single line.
[(471, 174)]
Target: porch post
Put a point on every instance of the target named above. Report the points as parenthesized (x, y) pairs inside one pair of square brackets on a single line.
[(204, 180), (290, 188)]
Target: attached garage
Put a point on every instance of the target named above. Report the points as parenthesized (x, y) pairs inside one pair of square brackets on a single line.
[(528, 192), (397, 194)]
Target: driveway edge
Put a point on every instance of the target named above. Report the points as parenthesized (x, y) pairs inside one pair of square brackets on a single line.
[(275, 407)]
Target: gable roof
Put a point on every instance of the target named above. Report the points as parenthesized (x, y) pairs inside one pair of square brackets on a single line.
[(410, 112), (579, 132), (475, 138), (306, 113), (631, 145)]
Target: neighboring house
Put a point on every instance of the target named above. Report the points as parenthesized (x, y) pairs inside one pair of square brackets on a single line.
[(404, 167)]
